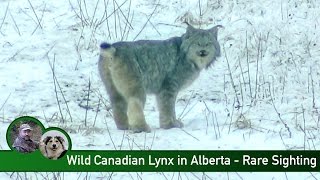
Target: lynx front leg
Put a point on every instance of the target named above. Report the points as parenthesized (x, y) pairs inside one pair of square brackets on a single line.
[(166, 105)]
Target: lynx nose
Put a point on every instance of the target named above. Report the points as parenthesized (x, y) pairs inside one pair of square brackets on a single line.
[(203, 53)]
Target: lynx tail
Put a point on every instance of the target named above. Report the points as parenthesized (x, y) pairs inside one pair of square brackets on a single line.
[(106, 50)]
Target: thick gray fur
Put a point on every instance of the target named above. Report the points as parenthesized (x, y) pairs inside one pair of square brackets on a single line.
[(130, 70)]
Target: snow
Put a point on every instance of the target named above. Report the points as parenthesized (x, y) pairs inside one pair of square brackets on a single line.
[(262, 94)]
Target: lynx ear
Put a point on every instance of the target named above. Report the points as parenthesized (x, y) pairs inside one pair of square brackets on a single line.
[(215, 29), (190, 28)]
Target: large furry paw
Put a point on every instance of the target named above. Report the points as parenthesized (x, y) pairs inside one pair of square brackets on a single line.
[(139, 129), (172, 124), (123, 127)]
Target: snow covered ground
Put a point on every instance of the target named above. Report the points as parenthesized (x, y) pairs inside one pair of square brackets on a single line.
[(263, 93)]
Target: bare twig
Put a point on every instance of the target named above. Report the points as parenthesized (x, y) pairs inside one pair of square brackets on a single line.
[(94, 14), (284, 144), (113, 12), (87, 106), (125, 16), (215, 123), (73, 9), (313, 176), (40, 19), (185, 107), (232, 81), (257, 67), (115, 18), (56, 84), (184, 115), (125, 31), (190, 134), (231, 116), (122, 140), (97, 111), (12, 58), (34, 12), (114, 145), (312, 90), (144, 26), (15, 24), (248, 67), (85, 8), (279, 115), (5, 101), (239, 175), (153, 138), (5, 15)]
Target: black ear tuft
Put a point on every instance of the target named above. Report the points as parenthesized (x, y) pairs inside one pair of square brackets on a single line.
[(190, 29), (47, 139), (215, 29), (105, 45)]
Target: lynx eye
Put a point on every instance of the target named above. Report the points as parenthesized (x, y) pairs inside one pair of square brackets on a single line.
[(209, 43), (204, 44)]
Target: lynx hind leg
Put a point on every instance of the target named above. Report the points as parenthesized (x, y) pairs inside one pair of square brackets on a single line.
[(137, 121), (136, 98), (166, 105), (118, 103), (130, 87), (119, 110), (128, 83)]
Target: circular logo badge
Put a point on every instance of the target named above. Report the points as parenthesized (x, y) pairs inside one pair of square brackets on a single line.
[(27, 134)]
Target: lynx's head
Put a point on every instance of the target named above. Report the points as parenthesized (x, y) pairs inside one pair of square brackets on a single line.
[(201, 46)]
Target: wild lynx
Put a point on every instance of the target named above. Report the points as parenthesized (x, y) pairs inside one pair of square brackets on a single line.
[(130, 70)]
